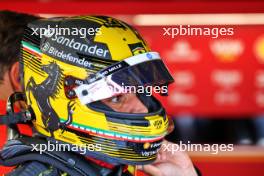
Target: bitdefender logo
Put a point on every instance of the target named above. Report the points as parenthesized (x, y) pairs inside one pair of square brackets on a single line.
[(67, 57)]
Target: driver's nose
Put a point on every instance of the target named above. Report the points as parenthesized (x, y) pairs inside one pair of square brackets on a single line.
[(134, 105)]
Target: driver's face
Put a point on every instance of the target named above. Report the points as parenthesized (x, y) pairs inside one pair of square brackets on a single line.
[(128, 103)]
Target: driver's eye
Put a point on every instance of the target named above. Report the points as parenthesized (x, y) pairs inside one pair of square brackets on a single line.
[(116, 99)]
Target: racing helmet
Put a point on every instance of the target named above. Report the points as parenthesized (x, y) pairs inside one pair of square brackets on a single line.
[(71, 64)]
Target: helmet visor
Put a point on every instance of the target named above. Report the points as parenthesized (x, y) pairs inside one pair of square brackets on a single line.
[(123, 77), (148, 73)]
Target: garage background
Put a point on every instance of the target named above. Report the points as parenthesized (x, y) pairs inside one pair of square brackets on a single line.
[(218, 94)]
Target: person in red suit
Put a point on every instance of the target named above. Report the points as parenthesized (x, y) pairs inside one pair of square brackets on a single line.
[(12, 26), (167, 162)]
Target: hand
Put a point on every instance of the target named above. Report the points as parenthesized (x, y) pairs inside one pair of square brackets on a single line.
[(170, 163)]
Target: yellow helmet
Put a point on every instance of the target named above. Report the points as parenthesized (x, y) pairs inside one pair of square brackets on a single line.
[(70, 64)]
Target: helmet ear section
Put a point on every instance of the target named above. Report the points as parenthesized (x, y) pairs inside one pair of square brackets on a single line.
[(12, 118), (28, 113)]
